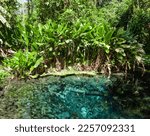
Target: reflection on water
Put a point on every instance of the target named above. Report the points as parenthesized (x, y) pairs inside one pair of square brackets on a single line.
[(92, 97), (78, 97)]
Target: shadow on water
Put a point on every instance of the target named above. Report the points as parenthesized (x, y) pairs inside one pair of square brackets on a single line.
[(133, 95), (78, 97)]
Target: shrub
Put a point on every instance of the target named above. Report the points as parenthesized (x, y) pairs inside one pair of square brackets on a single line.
[(23, 63)]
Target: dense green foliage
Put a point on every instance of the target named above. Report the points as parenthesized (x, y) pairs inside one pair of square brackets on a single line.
[(87, 35), (39, 38)]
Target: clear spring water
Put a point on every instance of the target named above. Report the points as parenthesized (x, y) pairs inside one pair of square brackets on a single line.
[(73, 97), (77, 97)]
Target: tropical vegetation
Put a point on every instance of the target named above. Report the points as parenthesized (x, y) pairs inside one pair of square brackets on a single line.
[(38, 37)]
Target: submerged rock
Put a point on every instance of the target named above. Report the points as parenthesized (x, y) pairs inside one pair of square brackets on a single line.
[(74, 97), (66, 97)]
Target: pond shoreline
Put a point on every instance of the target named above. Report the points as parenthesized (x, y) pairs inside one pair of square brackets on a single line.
[(128, 93), (63, 73)]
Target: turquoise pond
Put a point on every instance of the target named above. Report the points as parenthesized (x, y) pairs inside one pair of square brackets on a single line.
[(71, 97), (75, 97)]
